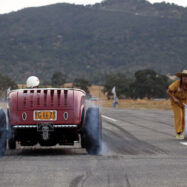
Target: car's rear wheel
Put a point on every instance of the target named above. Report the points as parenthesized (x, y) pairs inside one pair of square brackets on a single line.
[(92, 131), (82, 132), (3, 132), (11, 140)]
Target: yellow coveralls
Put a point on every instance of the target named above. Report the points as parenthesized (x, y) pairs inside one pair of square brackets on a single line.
[(178, 111)]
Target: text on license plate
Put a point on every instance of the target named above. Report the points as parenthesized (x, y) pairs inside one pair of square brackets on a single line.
[(45, 115)]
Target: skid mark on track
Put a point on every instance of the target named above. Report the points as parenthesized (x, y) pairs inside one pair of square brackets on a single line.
[(88, 174), (76, 181), (127, 180), (149, 128), (80, 180), (153, 117), (146, 127), (108, 180), (128, 144), (118, 181)]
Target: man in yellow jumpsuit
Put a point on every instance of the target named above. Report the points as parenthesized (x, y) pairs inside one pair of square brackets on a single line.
[(178, 95)]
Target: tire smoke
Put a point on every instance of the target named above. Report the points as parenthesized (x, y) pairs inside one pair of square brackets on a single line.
[(3, 132), (104, 150)]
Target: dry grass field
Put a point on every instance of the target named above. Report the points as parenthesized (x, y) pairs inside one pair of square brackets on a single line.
[(96, 91), (140, 104)]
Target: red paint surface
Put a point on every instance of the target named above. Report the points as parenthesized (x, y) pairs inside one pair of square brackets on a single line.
[(61, 100)]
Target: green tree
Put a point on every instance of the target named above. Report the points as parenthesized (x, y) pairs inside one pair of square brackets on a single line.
[(5, 83), (161, 85), (120, 81), (58, 79), (148, 84), (82, 84)]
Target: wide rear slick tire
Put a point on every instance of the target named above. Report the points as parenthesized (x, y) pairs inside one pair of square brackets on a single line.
[(3, 132), (10, 134), (92, 131)]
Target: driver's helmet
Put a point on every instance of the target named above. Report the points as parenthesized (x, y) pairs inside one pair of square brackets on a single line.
[(32, 82)]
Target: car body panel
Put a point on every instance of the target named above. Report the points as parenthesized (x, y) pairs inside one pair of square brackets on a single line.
[(24, 102)]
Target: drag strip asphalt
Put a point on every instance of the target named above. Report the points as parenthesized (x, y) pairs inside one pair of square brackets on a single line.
[(138, 149)]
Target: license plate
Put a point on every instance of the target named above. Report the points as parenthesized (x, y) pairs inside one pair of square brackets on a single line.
[(45, 115)]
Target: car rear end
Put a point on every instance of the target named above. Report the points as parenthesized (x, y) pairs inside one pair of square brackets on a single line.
[(46, 116)]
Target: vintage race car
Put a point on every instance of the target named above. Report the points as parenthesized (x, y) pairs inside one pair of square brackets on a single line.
[(51, 116)]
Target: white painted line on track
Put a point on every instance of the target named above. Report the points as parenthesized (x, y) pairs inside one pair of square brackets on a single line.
[(106, 117), (184, 143)]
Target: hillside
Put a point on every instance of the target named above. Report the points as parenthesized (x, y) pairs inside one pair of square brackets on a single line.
[(143, 8), (114, 36)]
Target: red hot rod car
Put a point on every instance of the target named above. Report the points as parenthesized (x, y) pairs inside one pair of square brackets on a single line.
[(49, 117)]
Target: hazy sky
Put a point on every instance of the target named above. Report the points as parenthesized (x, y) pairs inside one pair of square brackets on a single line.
[(14, 5)]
